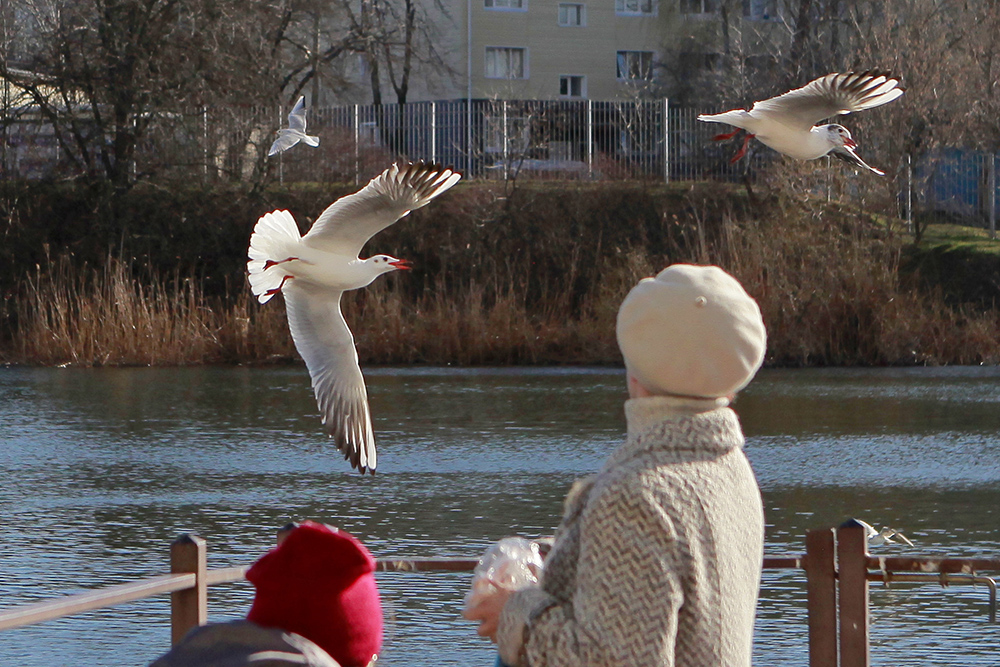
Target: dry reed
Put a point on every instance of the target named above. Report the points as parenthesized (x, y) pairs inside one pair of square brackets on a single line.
[(510, 291)]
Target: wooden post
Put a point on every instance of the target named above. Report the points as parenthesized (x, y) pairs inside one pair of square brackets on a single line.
[(284, 531), (189, 607), (852, 569), (821, 593)]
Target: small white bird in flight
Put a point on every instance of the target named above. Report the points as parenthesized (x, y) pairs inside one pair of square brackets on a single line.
[(295, 132), (312, 272), (885, 536), (787, 123)]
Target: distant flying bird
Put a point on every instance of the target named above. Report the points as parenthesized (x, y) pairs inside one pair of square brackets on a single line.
[(295, 132), (885, 536), (787, 123), (312, 272)]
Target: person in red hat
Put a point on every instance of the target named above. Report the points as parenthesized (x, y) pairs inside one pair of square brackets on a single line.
[(316, 604)]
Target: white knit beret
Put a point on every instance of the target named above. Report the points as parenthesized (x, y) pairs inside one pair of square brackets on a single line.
[(691, 331)]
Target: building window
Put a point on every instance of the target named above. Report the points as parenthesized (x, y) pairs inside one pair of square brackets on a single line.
[(572, 15), (504, 62), (505, 4), (760, 10), (700, 6), (635, 65), (635, 7), (571, 85)]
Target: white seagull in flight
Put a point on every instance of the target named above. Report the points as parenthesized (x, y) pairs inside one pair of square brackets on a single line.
[(312, 271), (295, 132), (885, 536), (787, 123)]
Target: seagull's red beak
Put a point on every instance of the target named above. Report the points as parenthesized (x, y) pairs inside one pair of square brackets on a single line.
[(850, 143), (402, 264)]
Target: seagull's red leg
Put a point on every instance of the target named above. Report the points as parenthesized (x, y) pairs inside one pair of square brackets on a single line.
[(743, 148), (728, 135), (269, 263), (272, 292)]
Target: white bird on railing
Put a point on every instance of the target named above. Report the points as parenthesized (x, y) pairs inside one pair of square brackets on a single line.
[(786, 123), (295, 132), (885, 536), (312, 272)]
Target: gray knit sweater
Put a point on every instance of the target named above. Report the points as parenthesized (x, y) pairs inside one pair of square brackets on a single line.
[(657, 560)]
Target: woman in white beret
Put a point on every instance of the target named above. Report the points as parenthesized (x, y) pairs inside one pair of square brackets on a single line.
[(658, 557)]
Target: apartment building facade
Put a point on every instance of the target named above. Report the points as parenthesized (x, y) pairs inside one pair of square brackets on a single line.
[(585, 49)]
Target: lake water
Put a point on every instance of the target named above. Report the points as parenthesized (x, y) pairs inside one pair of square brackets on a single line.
[(103, 468)]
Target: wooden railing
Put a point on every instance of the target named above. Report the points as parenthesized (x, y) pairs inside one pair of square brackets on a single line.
[(837, 565)]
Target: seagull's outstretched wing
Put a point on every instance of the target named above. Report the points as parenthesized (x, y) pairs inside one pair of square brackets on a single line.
[(830, 95), (286, 139), (322, 338), (848, 155), (891, 533), (347, 224), (297, 116), (869, 529)]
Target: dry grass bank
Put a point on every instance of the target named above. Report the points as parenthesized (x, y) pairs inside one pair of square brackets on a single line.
[(535, 278)]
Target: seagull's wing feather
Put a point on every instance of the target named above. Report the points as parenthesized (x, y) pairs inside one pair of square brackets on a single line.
[(286, 139), (347, 224), (323, 339), (830, 95), (848, 155), (297, 116), (869, 529), (892, 533)]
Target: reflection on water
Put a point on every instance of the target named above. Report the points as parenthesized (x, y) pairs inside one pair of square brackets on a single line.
[(103, 468)]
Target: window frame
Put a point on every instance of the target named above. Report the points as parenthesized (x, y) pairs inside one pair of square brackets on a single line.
[(708, 8), (751, 13), (653, 8), (508, 49), (583, 86), (489, 5), (582, 14), (618, 65)]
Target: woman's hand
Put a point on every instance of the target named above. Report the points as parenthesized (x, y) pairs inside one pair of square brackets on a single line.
[(485, 606)]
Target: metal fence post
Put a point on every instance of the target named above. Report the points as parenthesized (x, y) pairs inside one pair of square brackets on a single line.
[(189, 607), (821, 596), (506, 143), (434, 132), (357, 143), (852, 570), (666, 139), (590, 138)]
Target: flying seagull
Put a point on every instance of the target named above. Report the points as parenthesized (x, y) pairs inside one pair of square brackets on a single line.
[(885, 536), (312, 272), (295, 132), (787, 123)]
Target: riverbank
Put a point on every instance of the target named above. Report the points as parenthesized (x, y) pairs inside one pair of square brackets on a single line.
[(531, 274)]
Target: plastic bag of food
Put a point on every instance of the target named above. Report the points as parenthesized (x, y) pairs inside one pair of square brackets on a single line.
[(512, 563)]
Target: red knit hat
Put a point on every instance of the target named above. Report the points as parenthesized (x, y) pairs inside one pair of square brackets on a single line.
[(320, 583)]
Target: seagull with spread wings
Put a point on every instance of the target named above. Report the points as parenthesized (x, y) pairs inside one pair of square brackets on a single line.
[(787, 123), (312, 272), (295, 132), (885, 536)]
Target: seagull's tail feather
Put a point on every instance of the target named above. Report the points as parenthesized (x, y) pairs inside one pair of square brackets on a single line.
[(736, 118), (274, 239)]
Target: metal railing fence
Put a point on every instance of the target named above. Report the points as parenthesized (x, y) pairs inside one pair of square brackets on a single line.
[(836, 565), (499, 139)]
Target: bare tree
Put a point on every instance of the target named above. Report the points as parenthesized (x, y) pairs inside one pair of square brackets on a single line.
[(106, 71)]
